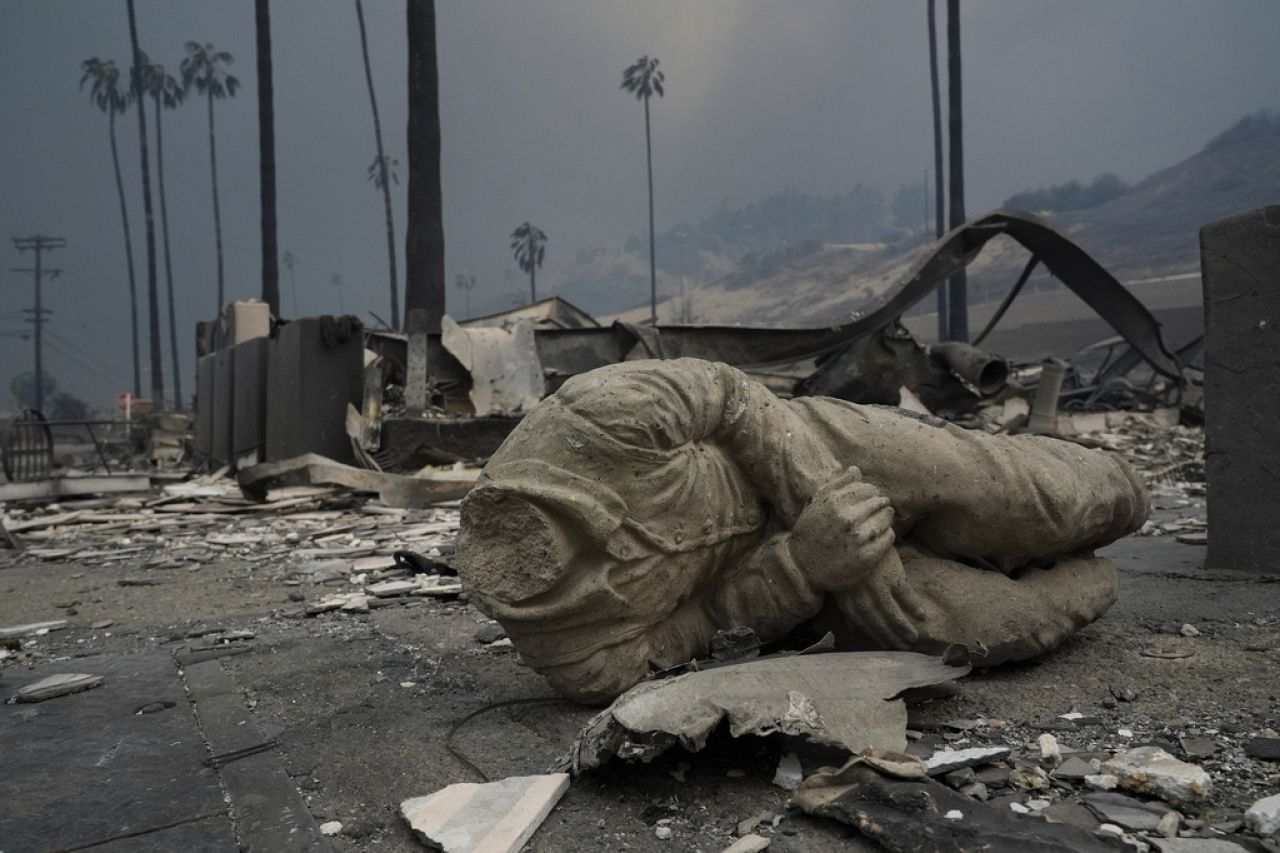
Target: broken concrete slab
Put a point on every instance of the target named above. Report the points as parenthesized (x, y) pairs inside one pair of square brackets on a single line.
[(392, 588), (32, 628), (395, 490), (72, 486), (846, 699), (53, 686), (927, 815), (494, 817), (1151, 770)]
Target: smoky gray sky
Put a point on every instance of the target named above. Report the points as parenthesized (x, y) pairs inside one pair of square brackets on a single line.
[(814, 94)]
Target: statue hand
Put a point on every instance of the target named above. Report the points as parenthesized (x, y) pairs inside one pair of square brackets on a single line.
[(843, 533), (843, 541), (884, 605)]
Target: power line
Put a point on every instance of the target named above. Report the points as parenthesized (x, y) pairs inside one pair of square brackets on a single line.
[(39, 244), (101, 374)]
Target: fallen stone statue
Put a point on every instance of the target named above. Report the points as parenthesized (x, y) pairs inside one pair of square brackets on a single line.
[(648, 504)]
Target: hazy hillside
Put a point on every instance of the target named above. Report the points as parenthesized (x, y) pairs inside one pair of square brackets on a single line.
[(1148, 231)]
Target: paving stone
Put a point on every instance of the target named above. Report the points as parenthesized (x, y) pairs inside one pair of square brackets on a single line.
[(461, 817)]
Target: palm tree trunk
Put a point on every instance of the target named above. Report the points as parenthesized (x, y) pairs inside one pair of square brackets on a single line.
[(939, 194), (168, 262), (386, 184), (424, 239), (128, 254), (153, 290), (267, 159), (653, 273), (533, 284), (958, 299), (217, 215)]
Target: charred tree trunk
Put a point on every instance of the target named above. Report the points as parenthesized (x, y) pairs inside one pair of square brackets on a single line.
[(153, 291), (168, 261), (217, 213), (653, 271), (424, 242), (128, 254), (266, 160), (958, 298), (939, 193), (383, 171)]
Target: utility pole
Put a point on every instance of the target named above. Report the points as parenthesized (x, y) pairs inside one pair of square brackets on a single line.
[(39, 243)]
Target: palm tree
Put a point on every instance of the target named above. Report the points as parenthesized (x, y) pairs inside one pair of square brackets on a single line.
[(467, 283), (105, 93), (424, 283), (528, 245), (167, 93), (381, 172), (958, 299), (290, 260), (939, 196), (643, 79), (153, 291), (206, 69)]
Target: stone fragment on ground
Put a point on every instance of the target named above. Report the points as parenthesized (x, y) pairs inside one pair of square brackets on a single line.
[(947, 760), (490, 632), (62, 684), (1074, 769), (1263, 748), (331, 828), (1125, 811), (1151, 770), (1196, 845), (789, 773), (750, 843), (494, 817), (1263, 817)]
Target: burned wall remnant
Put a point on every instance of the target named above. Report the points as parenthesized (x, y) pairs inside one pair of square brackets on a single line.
[(315, 369), (646, 505), (1240, 263)]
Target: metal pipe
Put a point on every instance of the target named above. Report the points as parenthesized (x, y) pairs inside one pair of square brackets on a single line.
[(1044, 411), (984, 371)]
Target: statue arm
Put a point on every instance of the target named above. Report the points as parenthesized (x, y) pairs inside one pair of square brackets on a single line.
[(785, 459)]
